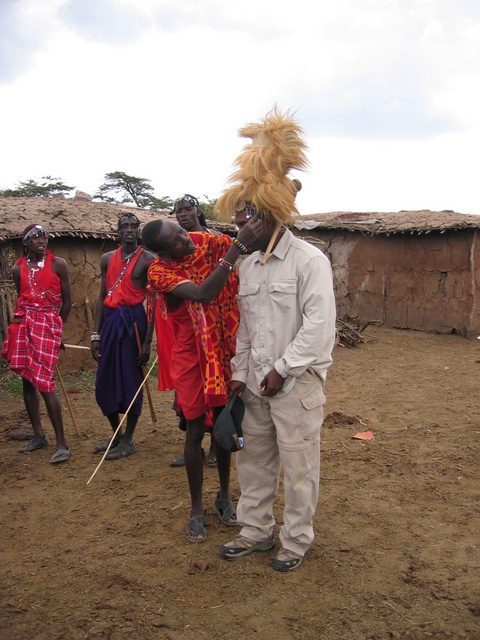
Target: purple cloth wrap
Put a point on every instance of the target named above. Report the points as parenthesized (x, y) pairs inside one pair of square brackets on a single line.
[(119, 375)]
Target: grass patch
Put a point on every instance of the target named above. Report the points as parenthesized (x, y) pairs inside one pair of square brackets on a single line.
[(11, 384), (81, 380)]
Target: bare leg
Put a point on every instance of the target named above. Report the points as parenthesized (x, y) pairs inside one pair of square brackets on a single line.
[(114, 419), (132, 420), (54, 411), (122, 446), (194, 465), (32, 405)]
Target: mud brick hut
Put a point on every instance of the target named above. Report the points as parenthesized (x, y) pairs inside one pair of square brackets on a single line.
[(411, 270), (80, 232)]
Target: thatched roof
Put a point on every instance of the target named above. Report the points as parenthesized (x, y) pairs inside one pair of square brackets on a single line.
[(83, 218), (66, 217), (413, 222), (76, 217)]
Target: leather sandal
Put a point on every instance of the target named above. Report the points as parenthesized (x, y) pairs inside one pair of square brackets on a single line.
[(34, 444), (197, 526)]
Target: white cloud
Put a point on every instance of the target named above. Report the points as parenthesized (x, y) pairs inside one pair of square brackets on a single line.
[(23, 29), (386, 91), (103, 20)]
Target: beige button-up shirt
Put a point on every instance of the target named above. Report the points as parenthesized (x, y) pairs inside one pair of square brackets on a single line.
[(287, 314)]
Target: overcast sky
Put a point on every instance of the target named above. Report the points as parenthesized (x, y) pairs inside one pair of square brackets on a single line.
[(387, 92)]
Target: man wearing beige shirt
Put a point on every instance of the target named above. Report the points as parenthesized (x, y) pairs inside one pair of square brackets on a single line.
[(284, 347)]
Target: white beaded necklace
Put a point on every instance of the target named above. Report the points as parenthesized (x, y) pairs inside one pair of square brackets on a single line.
[(35, 288), (127, 261), (40, 264)]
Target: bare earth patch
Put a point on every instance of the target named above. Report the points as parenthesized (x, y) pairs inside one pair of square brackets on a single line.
[(397, 547)]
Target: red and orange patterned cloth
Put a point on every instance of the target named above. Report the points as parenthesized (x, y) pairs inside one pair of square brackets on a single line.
[(33, 340), (214, 325)]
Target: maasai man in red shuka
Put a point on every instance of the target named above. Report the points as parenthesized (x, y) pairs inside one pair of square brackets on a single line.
[(34, 337), (190, 217), (114, 344), (196, 284)]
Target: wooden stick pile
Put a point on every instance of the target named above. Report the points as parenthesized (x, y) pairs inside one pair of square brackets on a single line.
[(348, 336)]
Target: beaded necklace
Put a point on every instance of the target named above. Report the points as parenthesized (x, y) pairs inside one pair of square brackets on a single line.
[(127, 261), (35, 288)]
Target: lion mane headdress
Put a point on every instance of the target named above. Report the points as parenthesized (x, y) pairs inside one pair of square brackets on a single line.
[(261, 176)]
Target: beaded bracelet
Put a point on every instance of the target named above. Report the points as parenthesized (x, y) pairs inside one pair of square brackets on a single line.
[(240, 245), (226, 265), (94, 337)]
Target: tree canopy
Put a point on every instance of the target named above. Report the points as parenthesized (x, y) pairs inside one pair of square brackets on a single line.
[(207, 207), (31, 189), (120, 188)]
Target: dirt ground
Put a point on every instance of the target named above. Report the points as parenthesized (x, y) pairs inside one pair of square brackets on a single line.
[(397, 543)]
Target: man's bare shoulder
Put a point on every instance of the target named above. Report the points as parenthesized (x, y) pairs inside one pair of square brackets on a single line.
[(147, 256), (59, 265), (106, 257)]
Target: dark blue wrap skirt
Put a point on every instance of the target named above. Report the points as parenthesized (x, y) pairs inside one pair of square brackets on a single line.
[(119, 374)]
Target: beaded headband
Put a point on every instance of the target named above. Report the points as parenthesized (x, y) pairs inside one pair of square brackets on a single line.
[(36, 231), (127, 215), (188, 198)]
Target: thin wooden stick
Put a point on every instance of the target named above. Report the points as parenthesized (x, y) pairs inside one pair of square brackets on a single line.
[(122, 420), (275, 233), (144, 372), (76, 346), (66, 399), (88, 313)]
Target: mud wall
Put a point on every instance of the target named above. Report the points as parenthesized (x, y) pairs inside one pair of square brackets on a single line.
[(428, 282)]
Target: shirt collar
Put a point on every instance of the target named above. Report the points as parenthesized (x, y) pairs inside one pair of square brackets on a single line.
[(281, 248)]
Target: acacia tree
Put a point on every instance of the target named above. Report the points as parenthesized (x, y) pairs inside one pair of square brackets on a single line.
[(120, 188), (207, 207), (32, 189)]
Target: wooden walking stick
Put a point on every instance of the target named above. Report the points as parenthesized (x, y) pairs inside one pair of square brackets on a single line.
[(122, 421), (275, 233), (144, 373), (67, 399)]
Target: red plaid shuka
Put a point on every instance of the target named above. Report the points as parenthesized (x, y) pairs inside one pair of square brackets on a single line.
[(215, 324), (33, 340)]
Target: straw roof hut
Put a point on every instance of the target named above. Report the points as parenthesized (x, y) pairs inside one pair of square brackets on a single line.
[(410, 270), (80, 232)]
